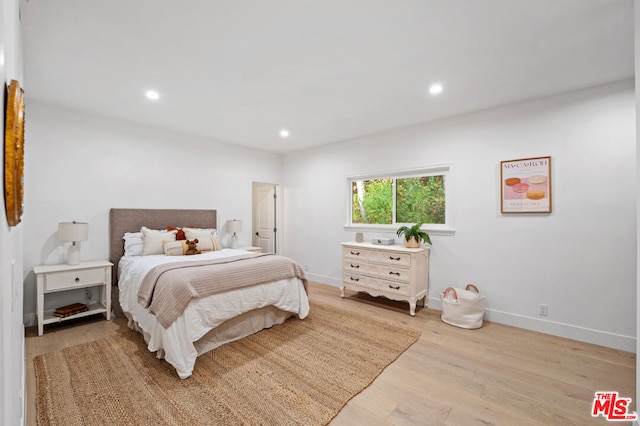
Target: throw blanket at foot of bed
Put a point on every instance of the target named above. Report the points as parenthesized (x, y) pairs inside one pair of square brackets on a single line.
[(167, 289)]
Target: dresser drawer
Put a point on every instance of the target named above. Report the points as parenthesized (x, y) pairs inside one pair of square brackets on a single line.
[(355, 279), (72, 279), (392, 273), (357, 253), (393, 258), (355, 266), (394, 287)]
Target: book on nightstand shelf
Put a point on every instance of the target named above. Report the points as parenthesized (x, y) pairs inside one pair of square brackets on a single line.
[(74, 308)]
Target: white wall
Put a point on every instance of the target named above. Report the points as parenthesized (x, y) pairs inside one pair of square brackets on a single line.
[(12, 332), (78, 166), (580, 260)]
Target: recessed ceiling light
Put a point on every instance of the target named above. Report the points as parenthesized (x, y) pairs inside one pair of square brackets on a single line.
[(153, 95), (435, 89), (284, 133)]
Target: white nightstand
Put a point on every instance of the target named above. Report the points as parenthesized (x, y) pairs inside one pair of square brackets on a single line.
[(52, 278), (253, 249)]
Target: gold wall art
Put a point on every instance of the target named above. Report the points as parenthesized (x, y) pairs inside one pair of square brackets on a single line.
[(14, 153)]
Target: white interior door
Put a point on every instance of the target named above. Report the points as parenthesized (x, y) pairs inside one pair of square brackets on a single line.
[(264, 217)]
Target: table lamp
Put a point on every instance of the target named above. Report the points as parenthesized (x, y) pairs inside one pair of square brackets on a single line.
[(235, 226), (73, 232)]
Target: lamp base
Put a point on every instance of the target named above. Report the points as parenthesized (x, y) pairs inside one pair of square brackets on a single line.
[(234, 241), (73, 254)]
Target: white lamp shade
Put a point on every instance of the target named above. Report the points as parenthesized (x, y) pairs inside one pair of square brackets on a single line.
[(235, 226), (73, 231)]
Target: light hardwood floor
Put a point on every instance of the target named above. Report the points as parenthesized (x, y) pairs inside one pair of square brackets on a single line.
[(496, 375)]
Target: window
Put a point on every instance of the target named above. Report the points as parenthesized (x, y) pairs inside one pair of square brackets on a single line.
[(383, 201)]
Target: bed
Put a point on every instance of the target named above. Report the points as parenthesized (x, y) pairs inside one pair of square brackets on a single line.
[(208, 320)]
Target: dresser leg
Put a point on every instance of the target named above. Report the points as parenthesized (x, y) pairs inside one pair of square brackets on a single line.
[(342, 291), (412, 307)]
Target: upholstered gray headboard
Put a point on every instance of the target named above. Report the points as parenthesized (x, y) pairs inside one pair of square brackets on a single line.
[(131, 220)]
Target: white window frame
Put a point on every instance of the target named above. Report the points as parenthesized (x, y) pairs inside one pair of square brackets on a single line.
[(445, 170)]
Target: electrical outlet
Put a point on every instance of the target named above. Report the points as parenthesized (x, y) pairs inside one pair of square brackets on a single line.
[(543, 310)]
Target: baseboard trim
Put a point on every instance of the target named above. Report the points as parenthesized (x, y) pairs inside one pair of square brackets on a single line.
[(29, 320), (573, 332), (583, 334), (322, 279)]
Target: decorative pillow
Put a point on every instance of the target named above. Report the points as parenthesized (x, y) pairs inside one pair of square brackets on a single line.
[(132, 243), (180, 234), (207, 238), (175, 248), (211, 231), (152, 240)]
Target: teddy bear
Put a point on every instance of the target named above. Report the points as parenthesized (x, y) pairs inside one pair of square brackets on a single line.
[(191, 247)]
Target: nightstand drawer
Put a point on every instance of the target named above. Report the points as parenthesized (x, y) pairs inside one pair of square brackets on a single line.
[(72, 279)]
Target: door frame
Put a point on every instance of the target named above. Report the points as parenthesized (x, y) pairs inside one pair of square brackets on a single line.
[(278, 212)]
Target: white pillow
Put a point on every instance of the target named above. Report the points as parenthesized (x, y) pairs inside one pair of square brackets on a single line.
[(152, 240), (207, 239), (210, 231), (132, 243)]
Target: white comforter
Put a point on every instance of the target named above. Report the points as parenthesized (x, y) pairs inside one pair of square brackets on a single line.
[(176, 343)]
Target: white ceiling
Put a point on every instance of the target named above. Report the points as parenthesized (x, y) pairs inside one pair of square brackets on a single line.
[(328, 70)]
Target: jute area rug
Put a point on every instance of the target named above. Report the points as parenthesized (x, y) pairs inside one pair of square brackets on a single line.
[(301, 372)]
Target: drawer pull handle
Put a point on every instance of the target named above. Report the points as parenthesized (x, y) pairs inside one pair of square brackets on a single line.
[(395, 287), (354, 279), (394, 258), (355, 266), (77, 279), (356, 253), (394, 273)]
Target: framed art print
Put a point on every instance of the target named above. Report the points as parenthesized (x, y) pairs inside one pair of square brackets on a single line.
[(525, 185)]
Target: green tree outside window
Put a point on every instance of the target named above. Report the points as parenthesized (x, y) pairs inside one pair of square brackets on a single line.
[(417, 200)]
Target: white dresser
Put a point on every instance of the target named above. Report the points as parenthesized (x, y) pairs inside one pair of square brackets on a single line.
[(395, 272)]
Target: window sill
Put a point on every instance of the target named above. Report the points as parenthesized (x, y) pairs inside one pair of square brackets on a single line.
[(391, 229)]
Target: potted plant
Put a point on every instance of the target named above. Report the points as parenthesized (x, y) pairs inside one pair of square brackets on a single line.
[(413, 236)]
